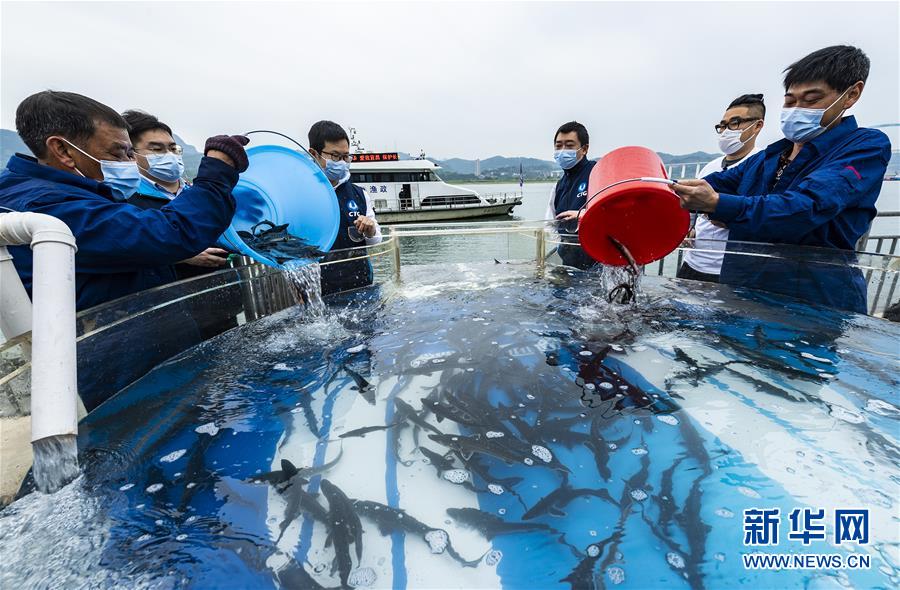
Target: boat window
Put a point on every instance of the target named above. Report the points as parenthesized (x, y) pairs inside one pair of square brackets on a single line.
[(449, 200), (418, 176)]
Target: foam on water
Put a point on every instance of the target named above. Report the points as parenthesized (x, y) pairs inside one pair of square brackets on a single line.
[(616, 575), (173, 456)]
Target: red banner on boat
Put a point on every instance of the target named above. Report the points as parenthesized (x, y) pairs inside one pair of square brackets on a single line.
[(376, 157)]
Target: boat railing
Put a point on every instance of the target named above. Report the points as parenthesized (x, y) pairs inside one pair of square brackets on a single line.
[(447, 202), (502, 197)]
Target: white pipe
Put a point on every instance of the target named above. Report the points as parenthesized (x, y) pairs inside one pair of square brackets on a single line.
[(54, 398), (15, 306)]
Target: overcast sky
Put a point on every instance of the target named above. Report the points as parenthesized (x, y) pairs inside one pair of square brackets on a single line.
[(458, 79)]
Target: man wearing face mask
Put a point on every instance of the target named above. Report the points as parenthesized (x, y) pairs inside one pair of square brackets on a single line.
[(159, 159), (158, 156), (570, 193), (330, 146), (816, 187), (83, 173), (737, 132)]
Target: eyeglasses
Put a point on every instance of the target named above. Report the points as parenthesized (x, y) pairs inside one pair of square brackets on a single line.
[(734, 124), (158, 149), (335, 157)]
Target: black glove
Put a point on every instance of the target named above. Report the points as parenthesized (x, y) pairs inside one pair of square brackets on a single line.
[(232, 146)]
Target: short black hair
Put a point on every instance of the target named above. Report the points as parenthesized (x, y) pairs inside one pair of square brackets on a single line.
[(752, 101), (575, 126), (67, 114), (139, 122), (839, 66), (325, 131)]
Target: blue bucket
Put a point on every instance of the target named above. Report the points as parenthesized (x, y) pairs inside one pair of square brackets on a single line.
[(283, 186)]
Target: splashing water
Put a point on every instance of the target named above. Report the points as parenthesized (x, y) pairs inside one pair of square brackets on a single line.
[(307, 280), (55, 462), (621, 283)]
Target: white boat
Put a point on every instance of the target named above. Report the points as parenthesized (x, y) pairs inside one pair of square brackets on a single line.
[(405, 191)]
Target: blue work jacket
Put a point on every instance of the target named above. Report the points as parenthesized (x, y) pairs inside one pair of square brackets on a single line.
[(824, 198), (122, 249)]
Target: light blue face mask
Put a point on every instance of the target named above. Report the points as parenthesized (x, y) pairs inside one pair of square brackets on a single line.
[(336, 171), (167, 167), (566, 158), (802, 125), (123, 178)]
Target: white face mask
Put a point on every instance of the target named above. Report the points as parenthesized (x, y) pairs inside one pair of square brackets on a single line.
[(802, 125), (730, 141), (167, 167), (123, 178)]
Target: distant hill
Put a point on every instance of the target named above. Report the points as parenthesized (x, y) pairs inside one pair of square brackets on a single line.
[(692, 158), (10, 143), (499, 167), (191, 156)]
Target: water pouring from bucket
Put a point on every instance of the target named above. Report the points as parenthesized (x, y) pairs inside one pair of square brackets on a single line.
[(286, 216), (632, 216)]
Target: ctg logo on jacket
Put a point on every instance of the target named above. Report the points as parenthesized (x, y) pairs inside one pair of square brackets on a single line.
[(353, 209)]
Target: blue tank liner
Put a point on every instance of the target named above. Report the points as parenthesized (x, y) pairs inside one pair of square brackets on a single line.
[(678, 480), (283, 186)]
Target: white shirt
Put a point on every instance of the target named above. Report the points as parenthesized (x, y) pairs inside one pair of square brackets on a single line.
[(709, 236)]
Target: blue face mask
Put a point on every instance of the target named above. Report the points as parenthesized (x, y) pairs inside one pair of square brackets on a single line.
[(123, 178), (566, 158), (802, 125), (167, 167), (336, 171)]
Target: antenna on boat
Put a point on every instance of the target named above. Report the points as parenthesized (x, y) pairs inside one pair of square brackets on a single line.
[(355, 143)]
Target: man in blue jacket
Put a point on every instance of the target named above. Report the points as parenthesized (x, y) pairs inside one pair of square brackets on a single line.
[(817, 187), (330, 146), (570, 194), (84, 172), (159, 159)]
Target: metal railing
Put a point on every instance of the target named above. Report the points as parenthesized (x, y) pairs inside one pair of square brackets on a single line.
[(880, 266), (685, 170), (884, 244)]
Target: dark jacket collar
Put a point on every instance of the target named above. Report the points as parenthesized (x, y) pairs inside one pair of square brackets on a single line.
[(29, 166), (577, 167)]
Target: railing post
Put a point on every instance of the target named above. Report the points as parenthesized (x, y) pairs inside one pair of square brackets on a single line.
[(396, 257), (540, 244)]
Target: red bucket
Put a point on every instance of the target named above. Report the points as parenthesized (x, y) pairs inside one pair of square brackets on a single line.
[(644, 216)]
